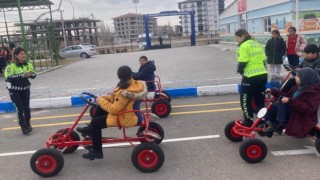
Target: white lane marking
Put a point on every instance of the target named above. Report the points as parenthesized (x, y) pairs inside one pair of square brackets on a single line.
[(122, 144), (309, 150), (3, 97)]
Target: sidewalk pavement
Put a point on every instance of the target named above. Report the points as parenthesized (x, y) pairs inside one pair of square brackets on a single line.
[(185, 71)]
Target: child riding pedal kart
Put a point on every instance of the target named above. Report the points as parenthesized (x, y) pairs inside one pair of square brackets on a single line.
[(119, 111), (295, 111)]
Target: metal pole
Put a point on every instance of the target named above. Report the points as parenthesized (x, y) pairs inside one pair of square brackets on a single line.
[(24, 40), (5, 22), (297, 15), (63, 30)]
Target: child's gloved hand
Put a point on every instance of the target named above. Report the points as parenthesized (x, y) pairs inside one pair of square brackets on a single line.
[(268, 90)]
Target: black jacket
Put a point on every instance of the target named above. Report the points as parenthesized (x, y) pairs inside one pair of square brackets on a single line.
[(314, 64), (275, 49), (146, 73)]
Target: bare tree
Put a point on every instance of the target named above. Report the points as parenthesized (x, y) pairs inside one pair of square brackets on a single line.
[(107, 37)]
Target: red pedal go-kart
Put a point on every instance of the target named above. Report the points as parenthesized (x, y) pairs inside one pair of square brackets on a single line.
[(146, 156), (159, 98), (254, 150)]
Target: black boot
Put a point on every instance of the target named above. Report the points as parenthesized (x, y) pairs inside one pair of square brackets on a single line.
[(84, 131), (275, 127), (29, 127), (25, 130), (93, 154), (247, 122)]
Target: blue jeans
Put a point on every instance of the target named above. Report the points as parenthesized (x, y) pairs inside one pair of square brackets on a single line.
[(279, 113)]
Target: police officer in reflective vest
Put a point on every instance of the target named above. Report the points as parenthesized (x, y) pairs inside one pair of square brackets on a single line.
[(17, 76), (251, 65)]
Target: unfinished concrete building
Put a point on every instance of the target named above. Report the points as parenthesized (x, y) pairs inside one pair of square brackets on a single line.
[(127, 27), (77, 31)]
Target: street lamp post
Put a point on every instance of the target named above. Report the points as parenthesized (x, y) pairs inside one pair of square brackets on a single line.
[(63, 29), (297, 15)]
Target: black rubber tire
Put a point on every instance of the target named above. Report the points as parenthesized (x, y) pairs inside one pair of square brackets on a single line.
[(253, 150), (156, 128), (164, 96), (228, 132), (161, 108), (47, 162), (74, 136), (147, 157), (317, 144), (84, 55)]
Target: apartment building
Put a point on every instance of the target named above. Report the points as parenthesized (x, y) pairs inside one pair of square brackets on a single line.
[(127, 27), (206, 16), (261, 17)]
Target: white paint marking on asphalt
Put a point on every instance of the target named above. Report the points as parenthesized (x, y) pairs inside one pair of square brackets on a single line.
[(123, 144), (17, 153), (3, 97), (309, 150)]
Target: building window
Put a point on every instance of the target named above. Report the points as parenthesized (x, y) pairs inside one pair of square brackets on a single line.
[(267, 24)]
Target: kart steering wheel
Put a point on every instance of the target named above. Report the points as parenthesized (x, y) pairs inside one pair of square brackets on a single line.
[(290, 68), (91, 100)]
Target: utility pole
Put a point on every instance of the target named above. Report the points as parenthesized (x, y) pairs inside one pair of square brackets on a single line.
[(297, 15), (63, 30), (5, 22)]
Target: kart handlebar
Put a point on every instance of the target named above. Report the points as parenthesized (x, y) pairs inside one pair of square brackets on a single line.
[(290, 68), (91, 100)]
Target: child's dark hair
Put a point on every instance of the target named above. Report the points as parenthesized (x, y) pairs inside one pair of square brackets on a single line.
[(293, 29), (275, 32), (124, 74), (311, 48), (143, 57)]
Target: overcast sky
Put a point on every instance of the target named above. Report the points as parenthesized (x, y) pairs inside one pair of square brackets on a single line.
[(103, 10)]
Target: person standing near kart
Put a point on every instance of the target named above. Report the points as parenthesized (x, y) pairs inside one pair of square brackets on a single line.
[(251, 65), (146, 72), (275, 49), (3, 59), (297, 110), (17, 76), (122, 99), (295, 45)]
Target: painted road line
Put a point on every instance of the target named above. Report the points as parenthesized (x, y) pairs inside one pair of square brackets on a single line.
[(123, 144), (87, 121), (46, 125), (178, 106), (206, 111), (208, 104), (309, 150)]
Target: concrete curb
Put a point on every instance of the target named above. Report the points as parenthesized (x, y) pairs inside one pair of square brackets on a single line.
[(76, 101)]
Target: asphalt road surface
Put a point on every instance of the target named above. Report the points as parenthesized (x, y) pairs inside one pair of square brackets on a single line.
[(205, 153)]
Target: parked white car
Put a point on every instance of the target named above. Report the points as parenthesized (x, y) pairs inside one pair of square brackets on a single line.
[(83, 51)]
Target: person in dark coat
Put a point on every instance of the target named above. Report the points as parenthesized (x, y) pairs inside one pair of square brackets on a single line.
[(146, 72), (312, 59), (275, 49), (299, 106)]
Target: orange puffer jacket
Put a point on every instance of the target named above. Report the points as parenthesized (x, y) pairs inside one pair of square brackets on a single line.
[(117, 102)]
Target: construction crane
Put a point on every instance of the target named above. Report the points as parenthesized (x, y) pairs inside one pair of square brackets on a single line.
[(43, 14)]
